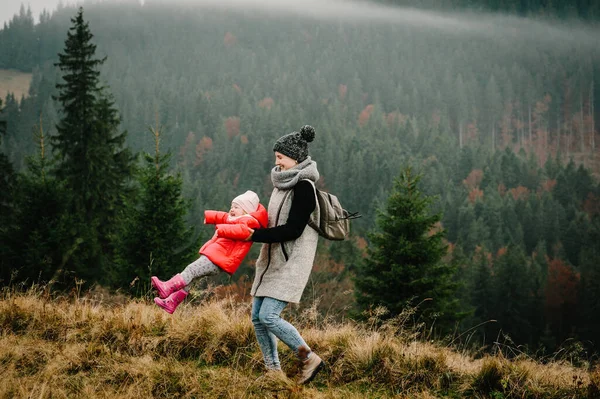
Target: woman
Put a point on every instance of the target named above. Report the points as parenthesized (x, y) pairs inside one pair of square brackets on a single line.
[(286, 257)]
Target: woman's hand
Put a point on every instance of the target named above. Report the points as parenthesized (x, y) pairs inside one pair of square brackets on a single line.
[(250, 232)]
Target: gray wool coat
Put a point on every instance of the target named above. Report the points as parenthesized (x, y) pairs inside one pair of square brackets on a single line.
[(275, 276)]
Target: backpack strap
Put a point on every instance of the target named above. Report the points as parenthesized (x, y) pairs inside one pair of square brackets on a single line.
[(311, 222)]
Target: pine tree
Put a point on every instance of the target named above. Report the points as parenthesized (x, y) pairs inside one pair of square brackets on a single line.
[(155, 239), (404, 262), (39, 238), (91, 158), (515, 295), (480, 288), (7, 205), (589, 301), (7, 175)]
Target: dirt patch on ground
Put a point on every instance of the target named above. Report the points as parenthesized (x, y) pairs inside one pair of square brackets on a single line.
[(14, 81)]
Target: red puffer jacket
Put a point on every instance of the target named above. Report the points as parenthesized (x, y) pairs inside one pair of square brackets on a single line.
[(226, 248)]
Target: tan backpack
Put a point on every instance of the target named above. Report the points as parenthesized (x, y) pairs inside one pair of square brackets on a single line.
[(334, 220)]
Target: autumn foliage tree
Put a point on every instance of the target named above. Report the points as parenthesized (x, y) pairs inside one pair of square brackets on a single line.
[(561, 296)]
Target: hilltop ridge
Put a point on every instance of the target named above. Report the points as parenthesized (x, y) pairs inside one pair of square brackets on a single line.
[(101, 346)]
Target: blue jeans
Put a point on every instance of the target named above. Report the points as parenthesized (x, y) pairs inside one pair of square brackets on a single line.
[(269, 326)]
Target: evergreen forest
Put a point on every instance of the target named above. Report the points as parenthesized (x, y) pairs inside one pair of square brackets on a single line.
[(465, 133)]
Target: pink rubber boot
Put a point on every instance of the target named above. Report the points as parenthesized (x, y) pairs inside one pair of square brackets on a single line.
[(170, 304), (166, 288)]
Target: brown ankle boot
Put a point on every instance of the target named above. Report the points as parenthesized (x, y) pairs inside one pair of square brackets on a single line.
[(311, 365)]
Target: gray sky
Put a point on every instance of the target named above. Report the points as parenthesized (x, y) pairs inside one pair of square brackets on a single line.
[(11, 7), (319, 9), (503, 27)]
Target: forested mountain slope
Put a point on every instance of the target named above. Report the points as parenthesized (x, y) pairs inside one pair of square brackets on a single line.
[(491, 109)]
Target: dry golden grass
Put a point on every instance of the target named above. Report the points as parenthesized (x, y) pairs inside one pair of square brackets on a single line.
[(15, 82), (103, 347)]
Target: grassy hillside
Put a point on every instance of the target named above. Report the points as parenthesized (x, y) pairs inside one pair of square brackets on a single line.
[(97, 346), (15, 82)]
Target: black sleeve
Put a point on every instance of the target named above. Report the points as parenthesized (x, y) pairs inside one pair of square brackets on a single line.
[(303, 204)]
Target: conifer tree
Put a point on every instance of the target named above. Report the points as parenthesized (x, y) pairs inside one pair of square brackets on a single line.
[(154, 239), (7, 182), (479, 291), (589, 300), (514, 295), (7, 173), (38, 239), (404, 259), (91, 158)]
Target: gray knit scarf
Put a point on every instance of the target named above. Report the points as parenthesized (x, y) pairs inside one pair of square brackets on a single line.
[(286, 179)]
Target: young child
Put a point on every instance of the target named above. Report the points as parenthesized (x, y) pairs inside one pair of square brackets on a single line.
[(223, 252)]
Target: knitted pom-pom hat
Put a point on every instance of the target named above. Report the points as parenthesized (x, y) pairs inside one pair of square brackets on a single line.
[(247, 201), (295, 145)]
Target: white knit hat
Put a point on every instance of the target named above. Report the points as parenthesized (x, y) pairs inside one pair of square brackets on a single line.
[(247, 201)]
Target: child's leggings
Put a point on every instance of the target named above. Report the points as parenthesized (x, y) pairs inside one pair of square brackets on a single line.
[(201, 267)]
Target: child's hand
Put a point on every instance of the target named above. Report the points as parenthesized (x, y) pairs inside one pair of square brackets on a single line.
[(250, 231)]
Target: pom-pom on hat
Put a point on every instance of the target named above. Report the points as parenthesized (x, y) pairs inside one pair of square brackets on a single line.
[(295, 145), (247, 201)]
